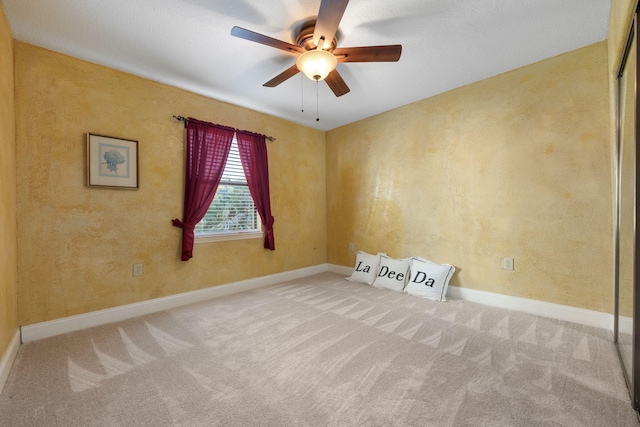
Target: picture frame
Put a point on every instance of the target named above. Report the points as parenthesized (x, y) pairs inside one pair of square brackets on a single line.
[(112, 162)]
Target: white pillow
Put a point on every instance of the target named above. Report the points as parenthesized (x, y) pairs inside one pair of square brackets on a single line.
[(366, 268), (392, 274), (428, 279)]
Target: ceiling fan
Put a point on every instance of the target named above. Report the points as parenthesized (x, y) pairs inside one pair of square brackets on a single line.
[(317, 48)]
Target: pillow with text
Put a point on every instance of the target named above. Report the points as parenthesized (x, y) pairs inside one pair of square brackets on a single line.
[(366, 268), (428, 279), (392, 273)]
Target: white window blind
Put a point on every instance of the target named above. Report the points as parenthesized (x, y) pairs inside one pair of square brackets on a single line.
[(232, 209)]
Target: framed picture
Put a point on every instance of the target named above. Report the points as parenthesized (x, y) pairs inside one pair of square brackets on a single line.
[(112, 162)]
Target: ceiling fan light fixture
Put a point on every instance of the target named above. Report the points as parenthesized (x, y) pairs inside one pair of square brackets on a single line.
[(316, 64)]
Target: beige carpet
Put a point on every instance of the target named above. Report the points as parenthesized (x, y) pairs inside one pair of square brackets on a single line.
[(322, 351)]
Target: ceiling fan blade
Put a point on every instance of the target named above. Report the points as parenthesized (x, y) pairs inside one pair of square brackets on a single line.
[(266, 40), (337, 85), (389, 53), (286, 74), (329, 17)]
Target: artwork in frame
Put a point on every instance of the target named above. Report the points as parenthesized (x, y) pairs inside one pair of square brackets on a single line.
[(112, 162)]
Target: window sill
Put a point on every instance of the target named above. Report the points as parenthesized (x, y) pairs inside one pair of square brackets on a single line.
[(203, 238)]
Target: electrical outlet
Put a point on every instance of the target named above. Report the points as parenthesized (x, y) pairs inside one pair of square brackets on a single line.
[(352, 246), (507, 264), (137, 270)]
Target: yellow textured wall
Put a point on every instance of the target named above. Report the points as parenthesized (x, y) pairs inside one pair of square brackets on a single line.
[(77, 244), (517, 165), (8, 290)]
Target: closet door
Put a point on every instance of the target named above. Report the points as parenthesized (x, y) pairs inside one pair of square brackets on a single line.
[(627, 264)]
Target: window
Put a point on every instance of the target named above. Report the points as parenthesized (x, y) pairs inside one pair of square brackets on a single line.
[(232, 214)]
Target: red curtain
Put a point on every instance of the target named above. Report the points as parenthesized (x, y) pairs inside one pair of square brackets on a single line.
[(207, 151), (253, 155)]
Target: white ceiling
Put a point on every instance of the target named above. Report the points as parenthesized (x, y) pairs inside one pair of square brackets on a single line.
[(187, 44)]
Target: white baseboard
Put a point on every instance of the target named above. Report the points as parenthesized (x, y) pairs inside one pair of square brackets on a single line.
[(110, 315), (625, 325), (541, 308), (7, 359), (340, 269), (96, 318)]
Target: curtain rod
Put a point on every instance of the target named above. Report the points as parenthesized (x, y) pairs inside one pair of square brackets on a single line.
[(185, 120)]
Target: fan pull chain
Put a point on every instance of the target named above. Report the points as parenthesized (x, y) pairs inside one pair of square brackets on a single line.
[(301, 92), (317, 103)]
